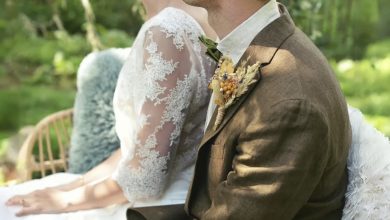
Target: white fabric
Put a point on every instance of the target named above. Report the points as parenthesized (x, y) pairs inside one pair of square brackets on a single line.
[(368, 192), (160, 104), (236, 42)]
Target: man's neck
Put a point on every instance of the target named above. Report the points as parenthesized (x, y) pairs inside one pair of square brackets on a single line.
[(230, 14)]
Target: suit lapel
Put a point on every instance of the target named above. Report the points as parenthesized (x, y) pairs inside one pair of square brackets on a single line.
[(263, 47)]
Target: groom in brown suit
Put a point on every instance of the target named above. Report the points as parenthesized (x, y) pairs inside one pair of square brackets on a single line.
[(281, 149)]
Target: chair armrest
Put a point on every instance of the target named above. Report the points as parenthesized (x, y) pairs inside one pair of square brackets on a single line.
[(36, 153)]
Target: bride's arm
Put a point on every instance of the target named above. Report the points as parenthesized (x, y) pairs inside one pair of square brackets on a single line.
[(168, 84), (102, 170), (95, 191), (95, 195)]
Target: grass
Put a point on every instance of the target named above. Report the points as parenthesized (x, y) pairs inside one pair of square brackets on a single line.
[(366, 85)]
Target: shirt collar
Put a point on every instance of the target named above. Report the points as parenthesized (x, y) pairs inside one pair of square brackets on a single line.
[(237, 41)]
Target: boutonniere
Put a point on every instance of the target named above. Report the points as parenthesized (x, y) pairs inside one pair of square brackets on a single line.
[(230, 83)]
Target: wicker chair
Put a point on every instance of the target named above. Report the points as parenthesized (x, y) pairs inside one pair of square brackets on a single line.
[(52, 132)]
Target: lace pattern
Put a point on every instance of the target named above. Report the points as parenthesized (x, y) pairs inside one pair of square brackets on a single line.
[(160, 104)]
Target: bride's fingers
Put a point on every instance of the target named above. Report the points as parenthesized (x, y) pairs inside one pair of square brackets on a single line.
[(16, 200), (28, 211)]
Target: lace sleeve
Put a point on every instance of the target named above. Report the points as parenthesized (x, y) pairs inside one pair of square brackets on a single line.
[(144, 171)]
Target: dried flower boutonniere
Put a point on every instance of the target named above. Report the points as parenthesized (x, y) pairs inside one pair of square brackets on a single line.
[(229, 83)]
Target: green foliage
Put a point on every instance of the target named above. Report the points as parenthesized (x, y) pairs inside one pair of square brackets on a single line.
[(307, 16), (342, 28), (382, 123), (361, 78), (122, 15), (366, 82), (26, 105), (43, 60), (9, 110), (384, 19), (378, 50), (53, 60), (115, 38)]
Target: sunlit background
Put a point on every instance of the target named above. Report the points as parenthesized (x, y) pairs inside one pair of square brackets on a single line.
[(42, 43)]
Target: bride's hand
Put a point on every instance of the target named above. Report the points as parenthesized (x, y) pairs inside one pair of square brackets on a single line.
[(47, 201)]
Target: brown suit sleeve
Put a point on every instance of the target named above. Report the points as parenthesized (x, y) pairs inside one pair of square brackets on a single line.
[(281, 156)]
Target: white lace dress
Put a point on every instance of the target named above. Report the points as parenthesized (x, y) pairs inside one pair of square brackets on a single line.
[(160, 107)]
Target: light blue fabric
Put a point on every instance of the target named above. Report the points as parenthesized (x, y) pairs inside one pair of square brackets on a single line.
[(94, 137)]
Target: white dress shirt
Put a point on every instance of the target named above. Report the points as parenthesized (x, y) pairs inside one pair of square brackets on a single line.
[(236, 42)]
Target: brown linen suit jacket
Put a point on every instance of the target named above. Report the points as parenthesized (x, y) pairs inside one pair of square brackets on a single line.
[(281, 150)]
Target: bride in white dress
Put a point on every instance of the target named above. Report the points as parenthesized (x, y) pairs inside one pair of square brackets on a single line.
[(160, 106)]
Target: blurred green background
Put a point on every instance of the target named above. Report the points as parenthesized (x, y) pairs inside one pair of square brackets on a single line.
[(42, 43)]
